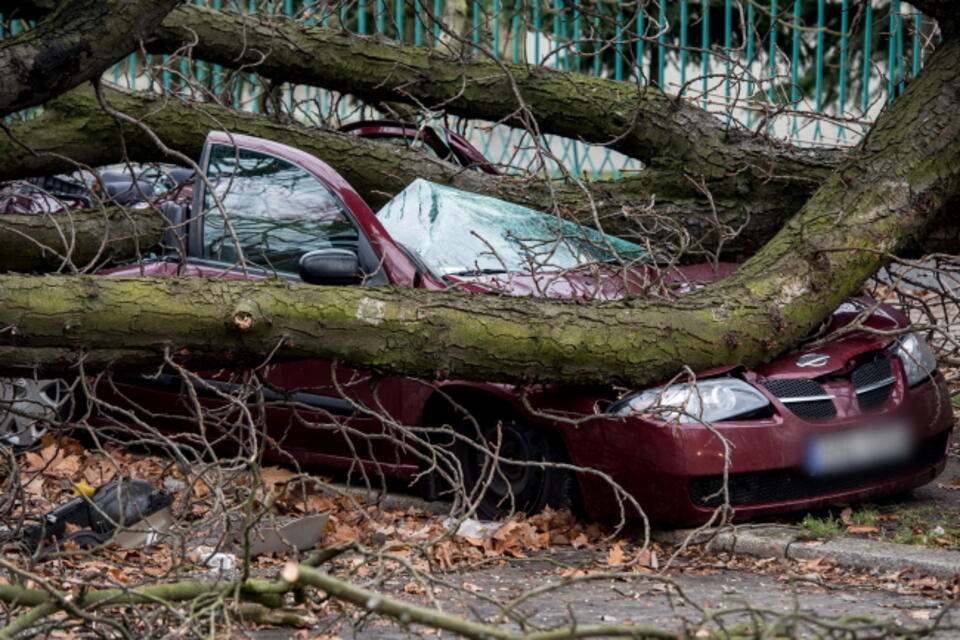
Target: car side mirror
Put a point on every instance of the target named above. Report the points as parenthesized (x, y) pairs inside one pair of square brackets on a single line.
[(331, 267)]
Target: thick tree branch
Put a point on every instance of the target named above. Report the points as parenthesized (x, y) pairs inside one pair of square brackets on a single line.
[(72, 239), (641, 122), (74, 128), (75, 43), (879, 201)]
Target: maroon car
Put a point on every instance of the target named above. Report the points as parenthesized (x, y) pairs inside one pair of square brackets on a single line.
[(859, 417)]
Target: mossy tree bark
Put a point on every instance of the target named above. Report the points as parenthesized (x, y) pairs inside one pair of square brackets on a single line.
[(74, 129), (75, 43), (77, 240), (882, 198), (670, 135)]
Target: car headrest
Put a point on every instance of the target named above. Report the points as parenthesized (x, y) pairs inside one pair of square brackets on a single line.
[(173, 235), (128, 192), (180, 175), (117, 175)]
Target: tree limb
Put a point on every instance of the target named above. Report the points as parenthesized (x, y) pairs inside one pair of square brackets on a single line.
[(879, 201), (407, 613), (73, 129), (73, 44)]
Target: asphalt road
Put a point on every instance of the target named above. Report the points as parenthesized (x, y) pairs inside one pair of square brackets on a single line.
[(648, 601)]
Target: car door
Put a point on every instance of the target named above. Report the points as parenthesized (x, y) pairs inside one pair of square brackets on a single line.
[(263, 207)]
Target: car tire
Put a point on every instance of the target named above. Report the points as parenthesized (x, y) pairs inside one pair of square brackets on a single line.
[(29, 407), (515, 487)]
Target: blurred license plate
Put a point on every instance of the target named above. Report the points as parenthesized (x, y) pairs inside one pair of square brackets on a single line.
[(857, 449)]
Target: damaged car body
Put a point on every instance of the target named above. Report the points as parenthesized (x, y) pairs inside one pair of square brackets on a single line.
[(857, 417)]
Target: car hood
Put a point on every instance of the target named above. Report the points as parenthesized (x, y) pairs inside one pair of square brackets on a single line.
[(837, 355)]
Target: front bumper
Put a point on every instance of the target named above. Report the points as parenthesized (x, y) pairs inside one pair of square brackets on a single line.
[(676, 472)]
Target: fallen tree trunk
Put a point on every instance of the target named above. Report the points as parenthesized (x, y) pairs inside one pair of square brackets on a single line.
[(641, 122), (77, 240), (75, 43), (877, 202), (74, 129), (672, 136)]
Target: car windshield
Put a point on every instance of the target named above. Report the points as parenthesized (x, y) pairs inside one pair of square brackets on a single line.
[(455, 232)]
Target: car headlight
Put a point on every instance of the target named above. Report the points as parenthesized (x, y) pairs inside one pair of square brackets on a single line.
[(918, 359), (703, 401)]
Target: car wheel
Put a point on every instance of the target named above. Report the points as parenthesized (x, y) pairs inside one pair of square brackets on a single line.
[(29, 407), (516, 487)]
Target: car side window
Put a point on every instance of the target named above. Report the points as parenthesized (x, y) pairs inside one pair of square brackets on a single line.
[(276, 211)]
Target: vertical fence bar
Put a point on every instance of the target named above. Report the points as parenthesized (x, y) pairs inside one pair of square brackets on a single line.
[(537, 27), (252, 78), (560, 22), (289, 12), (199, 68), (772, 62), (573, 59), (867, 55), (727, 48), (661, 45), (594, 38), (640, 27), (818, 85), (494, 23), (917, 26), (684, 43), (362, 17), (417, 24), (216, 74), (620, 55), (751, 54), (795, 66), (901, 59), (705, 45), (437, 18), (398, 19), (892, 52), (380, 16), (515, 29), (475, 32), (844, 61)]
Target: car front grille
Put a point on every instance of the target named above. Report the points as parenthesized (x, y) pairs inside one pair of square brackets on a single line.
[(804, 397), (873, 381), (781, 485)]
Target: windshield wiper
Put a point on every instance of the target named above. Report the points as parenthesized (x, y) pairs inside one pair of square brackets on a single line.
[(477, 272)]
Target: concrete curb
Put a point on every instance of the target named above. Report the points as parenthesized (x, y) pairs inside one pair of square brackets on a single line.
[(758, 540), (786, 542)]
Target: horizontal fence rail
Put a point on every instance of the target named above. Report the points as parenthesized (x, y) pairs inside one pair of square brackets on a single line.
[(815, 72)]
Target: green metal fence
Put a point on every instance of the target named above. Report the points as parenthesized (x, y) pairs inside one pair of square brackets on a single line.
[(812, 71)]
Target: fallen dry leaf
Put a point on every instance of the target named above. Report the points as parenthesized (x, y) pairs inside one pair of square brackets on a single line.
[(616, 554), (414, 588), (862, 528)]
